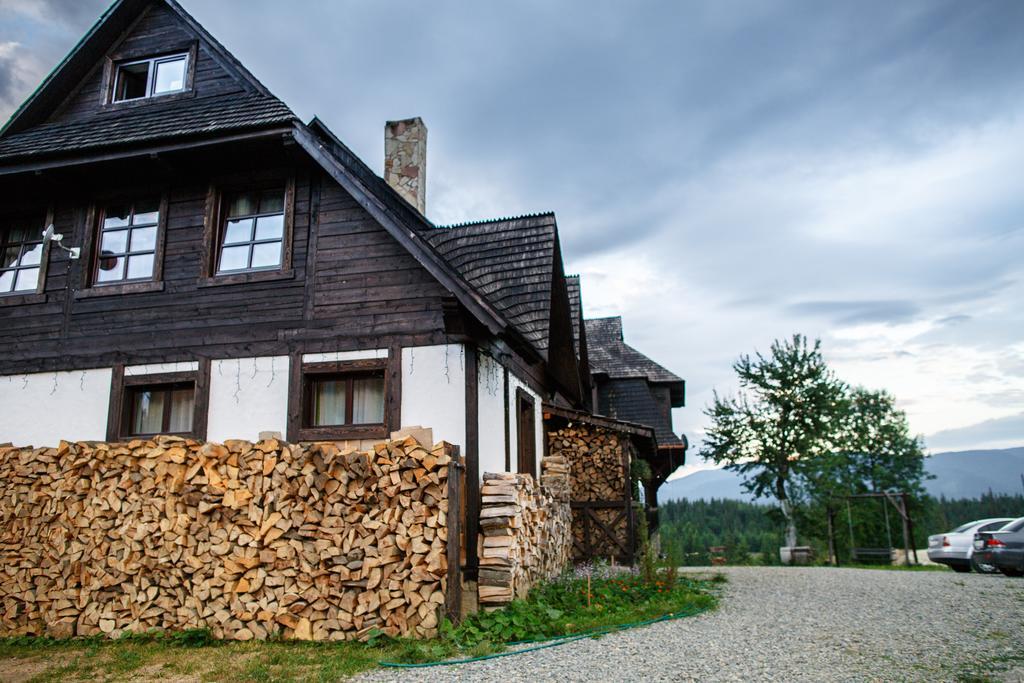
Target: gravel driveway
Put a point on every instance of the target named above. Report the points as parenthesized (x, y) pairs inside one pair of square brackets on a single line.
[(798, 624)]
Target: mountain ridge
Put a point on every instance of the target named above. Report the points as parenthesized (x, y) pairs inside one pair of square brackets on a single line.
[(958, 474)]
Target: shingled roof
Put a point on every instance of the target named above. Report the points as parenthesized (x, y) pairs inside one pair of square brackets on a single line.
[(200, 117), (612, 356), (510, 261)]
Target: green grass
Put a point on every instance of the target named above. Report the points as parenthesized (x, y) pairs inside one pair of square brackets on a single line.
[(553, 609)]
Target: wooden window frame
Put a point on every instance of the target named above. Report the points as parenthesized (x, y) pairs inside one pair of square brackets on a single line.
[(301, 400), (526, 448), (93, 237), (119, 412), (36, 295), (115, 61), (214, 226)]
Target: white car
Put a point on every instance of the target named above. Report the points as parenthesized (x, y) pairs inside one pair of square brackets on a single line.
[(956, 548)]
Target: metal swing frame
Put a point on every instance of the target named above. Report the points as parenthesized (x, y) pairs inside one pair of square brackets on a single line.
[(900, 502)]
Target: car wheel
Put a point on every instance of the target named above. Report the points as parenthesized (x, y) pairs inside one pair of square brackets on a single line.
[(960, 568), (983, 567)]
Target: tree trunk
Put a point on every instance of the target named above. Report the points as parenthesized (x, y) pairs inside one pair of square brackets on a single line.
[(787, 512)]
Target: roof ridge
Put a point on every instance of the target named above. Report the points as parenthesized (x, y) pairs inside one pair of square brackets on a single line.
[(503, 219)]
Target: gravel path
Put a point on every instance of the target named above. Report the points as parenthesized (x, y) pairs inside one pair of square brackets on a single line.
[(798, 624)]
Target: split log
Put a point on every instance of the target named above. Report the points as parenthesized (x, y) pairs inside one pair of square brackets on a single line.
[(312, 542)]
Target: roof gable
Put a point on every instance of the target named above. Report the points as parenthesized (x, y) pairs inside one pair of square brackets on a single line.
[(611, 356), (69, 112)]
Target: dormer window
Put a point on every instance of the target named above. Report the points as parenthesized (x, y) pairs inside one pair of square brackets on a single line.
[(150, 77)]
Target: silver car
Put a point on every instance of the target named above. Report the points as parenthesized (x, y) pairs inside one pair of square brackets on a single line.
[(956, 548)]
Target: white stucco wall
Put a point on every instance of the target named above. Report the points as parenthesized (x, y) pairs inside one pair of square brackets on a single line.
[(434, 390), (491, 415), (41, 409), (513, 384), (248, 396)]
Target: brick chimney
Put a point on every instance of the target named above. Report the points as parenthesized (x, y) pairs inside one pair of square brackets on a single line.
[(405, 160)]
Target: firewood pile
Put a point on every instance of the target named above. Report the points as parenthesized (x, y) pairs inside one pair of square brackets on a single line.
[(249, 540), (598, 461), (525, 531)]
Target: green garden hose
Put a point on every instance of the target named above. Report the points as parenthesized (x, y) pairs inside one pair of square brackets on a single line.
[(545, 643)]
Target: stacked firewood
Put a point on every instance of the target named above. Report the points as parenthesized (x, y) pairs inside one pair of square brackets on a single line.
[(525, 531), (249, 540), (597, 460)]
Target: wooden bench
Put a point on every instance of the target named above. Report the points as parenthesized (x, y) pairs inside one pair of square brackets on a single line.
[(872, 555)]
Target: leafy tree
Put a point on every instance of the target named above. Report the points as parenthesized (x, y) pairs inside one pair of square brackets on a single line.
[(876, 452), (789, 411)]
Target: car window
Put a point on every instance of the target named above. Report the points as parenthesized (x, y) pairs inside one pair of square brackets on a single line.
[(1014, 526), (962, 528), (992, 526)]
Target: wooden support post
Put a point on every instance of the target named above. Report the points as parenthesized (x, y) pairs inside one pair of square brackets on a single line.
[(472, 463), (833, 555), (453, 597), (908, 529)]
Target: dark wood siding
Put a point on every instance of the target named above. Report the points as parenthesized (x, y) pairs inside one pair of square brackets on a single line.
[(364, 277), (158, 31), (366, 291)]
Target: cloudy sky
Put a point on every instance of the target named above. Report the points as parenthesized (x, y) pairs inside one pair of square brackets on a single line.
[(724, 173)]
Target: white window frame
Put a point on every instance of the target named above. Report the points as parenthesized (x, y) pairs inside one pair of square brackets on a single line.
[(152, 63)]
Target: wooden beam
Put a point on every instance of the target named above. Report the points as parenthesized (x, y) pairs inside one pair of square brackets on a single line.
[(472, 462), (456, 479)]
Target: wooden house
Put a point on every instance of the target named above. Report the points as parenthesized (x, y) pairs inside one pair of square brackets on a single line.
[(217, 268)]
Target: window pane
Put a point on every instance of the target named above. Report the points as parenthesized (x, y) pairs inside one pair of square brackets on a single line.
[(234, 258), (147, 212), (9, 257), (266, 255), (7, 281), (270, 227), (170, 76), (328, 402), (144, 239), (131, 81), (238, 231), (272, 201), (111, 268), (368, 400), (27, 279), (115, 242), (140, 267), (116, 216), (33, 254), (243, 204), (182, 402), (148, 411)]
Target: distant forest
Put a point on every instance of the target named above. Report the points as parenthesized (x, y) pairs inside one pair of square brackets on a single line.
[(752, 533)]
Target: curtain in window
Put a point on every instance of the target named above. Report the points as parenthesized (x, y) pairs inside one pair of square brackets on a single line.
[(368, 400), (149, 412), (329, 408), (182, 407)]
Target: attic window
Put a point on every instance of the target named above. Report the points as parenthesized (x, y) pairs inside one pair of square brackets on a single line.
[(150, 77)]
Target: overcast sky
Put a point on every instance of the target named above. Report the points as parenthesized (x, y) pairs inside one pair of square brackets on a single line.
[(724, 172)]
